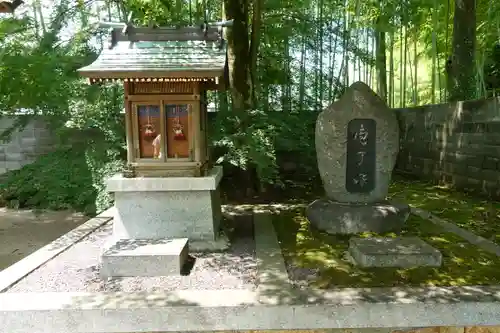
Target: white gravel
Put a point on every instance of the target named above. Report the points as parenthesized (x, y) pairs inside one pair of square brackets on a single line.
[(77, 270)]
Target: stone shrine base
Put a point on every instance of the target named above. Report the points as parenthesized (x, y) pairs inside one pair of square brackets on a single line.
[(404, 252), (344, 218), (145, 257)]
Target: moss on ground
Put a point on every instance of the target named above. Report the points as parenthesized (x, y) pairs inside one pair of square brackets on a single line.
[(480, 216), (305, 247)]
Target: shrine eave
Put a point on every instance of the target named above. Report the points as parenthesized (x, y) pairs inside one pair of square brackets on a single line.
[(181, 75), (171, 79)]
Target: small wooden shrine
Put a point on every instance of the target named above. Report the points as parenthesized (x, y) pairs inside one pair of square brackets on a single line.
[(166, 73), (9, 6)]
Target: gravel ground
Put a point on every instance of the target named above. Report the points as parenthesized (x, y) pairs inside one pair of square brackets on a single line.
[(22, 232), (77, 269)]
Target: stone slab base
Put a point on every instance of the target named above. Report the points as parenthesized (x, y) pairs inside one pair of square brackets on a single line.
[(221, 243), (342, 218), (173, 207), (144, 257), (404, 252)]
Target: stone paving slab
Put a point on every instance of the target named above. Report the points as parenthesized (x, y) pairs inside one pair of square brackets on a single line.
[(145, 257), (273, 277), (404, 252), (472, 238), (222, 310)]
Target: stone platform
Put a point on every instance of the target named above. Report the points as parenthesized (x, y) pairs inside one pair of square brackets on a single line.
[(166, 208), (343, 218), (145, 257), (404, 252)]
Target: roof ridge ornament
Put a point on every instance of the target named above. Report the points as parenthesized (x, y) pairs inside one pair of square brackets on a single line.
[(127, 25), (110, 24), (220, 25)]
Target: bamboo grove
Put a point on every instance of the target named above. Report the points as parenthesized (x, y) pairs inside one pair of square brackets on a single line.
[(412, 52), (301, 54)]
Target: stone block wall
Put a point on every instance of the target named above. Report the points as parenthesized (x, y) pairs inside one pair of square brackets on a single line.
[(24, 146), (457, 143)]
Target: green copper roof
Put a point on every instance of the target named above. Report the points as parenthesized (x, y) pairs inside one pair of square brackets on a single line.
[(159, 59)]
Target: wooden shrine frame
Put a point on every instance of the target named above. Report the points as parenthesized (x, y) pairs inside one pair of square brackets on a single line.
[(196, 163)]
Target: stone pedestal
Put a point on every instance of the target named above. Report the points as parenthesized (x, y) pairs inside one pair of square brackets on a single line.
[(174, 207), (145, 257), (344, 218), (403, 252), (154, 219)]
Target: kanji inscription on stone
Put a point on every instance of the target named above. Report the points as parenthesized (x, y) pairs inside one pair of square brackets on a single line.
[(361, 155)]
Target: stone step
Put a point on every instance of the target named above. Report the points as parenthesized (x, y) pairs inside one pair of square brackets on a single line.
[(403, 252), (145, 257)]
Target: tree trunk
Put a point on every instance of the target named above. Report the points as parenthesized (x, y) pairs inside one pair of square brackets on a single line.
[(415, 74), (320, 46), (347, 36), (302, 77), (401, 64), (405, 52), (238, 54), (461, 68), (333, 54), (254, 48), (380, 59), (391, 69)]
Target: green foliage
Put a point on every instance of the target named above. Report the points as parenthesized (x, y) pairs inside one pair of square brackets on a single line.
[(254, 147), (38, 74), (69, 178), (267, 136), (97, 110)]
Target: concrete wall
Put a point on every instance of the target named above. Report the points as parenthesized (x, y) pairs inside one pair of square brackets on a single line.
[(24, 146), (456, 143)]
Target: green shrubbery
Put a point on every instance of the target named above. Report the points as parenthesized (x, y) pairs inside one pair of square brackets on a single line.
[(265, 143), (69, 178), (90, 137)]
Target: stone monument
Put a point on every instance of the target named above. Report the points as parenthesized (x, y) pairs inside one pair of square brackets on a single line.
[(357, 142)]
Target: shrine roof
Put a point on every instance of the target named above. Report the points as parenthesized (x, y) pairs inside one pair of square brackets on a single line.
[(160, 53)]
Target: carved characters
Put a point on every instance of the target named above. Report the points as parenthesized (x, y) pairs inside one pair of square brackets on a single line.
[(361, 135), (361, 179), (360, 173)]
